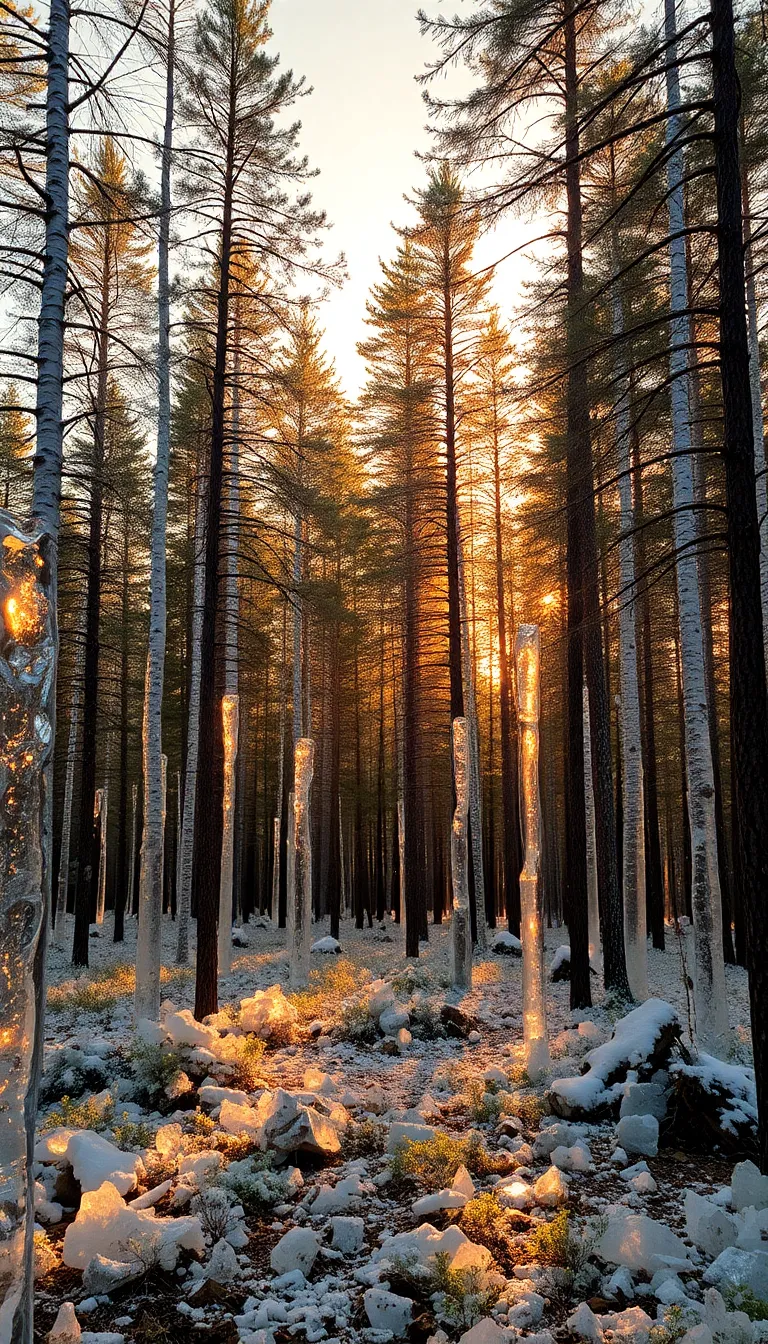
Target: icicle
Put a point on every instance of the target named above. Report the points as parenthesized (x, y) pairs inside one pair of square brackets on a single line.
[(528, 667), (300, 896), (27, 662), (461, 933), (593, 905), (230, 707)]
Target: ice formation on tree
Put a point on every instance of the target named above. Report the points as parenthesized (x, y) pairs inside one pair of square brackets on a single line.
[(461, 933), (528, 666), (230, 708), (300, 869), (27, 662)]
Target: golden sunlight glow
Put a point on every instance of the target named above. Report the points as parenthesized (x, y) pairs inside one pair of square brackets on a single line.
[(25, 611)]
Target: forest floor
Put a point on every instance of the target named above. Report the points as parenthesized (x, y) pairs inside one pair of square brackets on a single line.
[(192, 1121)]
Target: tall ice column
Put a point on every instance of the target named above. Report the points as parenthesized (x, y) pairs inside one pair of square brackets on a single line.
[(528, 666), (27, 662), (301, 895), (461, 932), (230, 713)]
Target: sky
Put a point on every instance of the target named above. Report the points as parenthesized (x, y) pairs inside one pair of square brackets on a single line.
[(362, 126)]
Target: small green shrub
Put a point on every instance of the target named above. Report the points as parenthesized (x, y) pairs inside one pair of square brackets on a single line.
[(486, 1221), (366, 1139), (425, 1022), (738, 1297), (90, 1114), (434, 1164), (154, 1066), (676, 1324), (254, 1182), (355, 1024), (484, 1103), (133, 1137)]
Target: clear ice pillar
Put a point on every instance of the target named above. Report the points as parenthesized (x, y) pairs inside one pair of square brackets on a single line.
[(461, 931), (528, 666), (301, 895)]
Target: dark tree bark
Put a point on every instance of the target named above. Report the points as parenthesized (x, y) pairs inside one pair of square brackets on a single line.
[(121, 887), (749, 704), (510, 802)]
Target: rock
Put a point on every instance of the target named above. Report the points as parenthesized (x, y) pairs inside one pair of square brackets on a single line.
[(102, 1275), (639, 1242), (551, 1189), (387, 1311), (551, 1137), (94, 1160), (485, 1331), (66, 1327), (297, 1249), (425, 1243), (698, 1334), (560, 967), (463, 1182), (184, 1029), (727, 1327), (643, 1099), (153, 1196), (151, 1033), (222, 1266), (267, 1012), (381, 997), (737, 1268), (513, 1192), (347, 1234), (328, 946), (169, 1140), (456, 1023), (643, 1183), (442, 1199), (714, 1103), (621, 1282), (505, 944), (584, 1322), (577, 1158), (290, 1126), (179, 1085), (211, 1096), (401, 1131), (404, 1039), (749, 1189), (642, 1042), (633, 1326), (346, 1194), (639, 1134), (200, 1169), (106, 1226), (392, 1019), (708, 1226), (474, 1037)]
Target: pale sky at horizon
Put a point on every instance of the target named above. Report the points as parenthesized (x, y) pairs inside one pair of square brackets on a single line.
[(361, 127)]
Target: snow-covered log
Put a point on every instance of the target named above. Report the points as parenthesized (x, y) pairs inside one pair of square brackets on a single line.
[(27, 666), (528, 669)]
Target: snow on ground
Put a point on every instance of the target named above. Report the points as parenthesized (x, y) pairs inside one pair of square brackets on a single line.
[(202, 1181)]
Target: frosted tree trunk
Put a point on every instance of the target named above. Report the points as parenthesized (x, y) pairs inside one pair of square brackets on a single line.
[(298, 625), (755, 386), (27, 668), (132, 861), (230, 707), (593, 900), (710, 1004), (633, 849), (475, 788), (401, 852), (100, 814), (147, 998), (280, 777), (461, 932), (193, 734), (300, 894), (528, 669), (66, 821)]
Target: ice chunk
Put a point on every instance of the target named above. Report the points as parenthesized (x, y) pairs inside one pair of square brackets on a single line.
[(708, 1226), (66, 1327), (584, 1322), (267, 1012), (551, 1189), (183, 1029), (749, 1189), (738, 1268), (639, 1134), (400, 1131)]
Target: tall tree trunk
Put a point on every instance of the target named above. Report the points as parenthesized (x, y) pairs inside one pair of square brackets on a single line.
[(230, 704), (749, 705), (84, 891), (584, 620), (633, 838), (148, 947), (756, 394), (69, 782), (186, 847), (208, 812), (510, 803), (121, 885), (710, 1004)]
